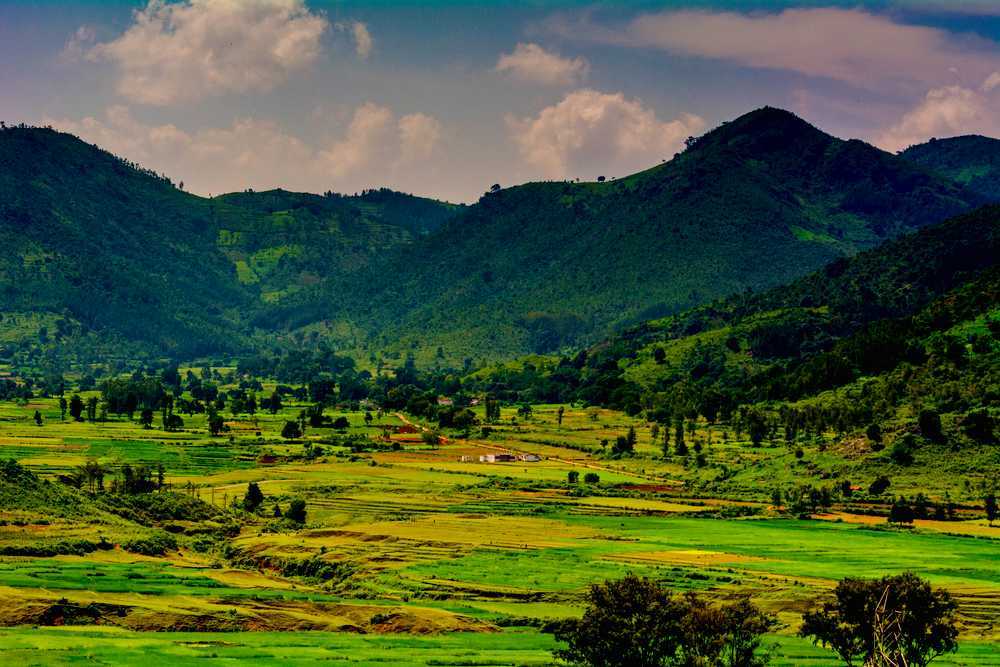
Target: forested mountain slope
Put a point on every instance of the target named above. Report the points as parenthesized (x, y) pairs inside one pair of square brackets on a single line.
[(971, 160), (755, 203), (907, 330), (93, 244)]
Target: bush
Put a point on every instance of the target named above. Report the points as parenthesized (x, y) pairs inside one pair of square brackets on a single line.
[(902, 450), (296, 511), (153, 545)]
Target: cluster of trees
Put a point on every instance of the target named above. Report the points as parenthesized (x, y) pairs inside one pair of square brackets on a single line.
[(635, 622)]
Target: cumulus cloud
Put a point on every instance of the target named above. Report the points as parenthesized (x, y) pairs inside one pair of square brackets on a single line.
[(945, 112), (359, 35), (848, 45), (589, 133), (363, 42), (532, 63), (177, 52), (377, 145)]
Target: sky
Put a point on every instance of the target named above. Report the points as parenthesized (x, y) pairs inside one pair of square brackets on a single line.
[(446, 98)]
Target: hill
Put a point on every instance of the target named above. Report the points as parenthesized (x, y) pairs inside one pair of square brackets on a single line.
[(753, 204), (972, 160), (897, 348), (123, 263)]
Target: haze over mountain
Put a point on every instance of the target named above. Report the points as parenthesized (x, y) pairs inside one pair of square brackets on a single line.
[(106, 247)]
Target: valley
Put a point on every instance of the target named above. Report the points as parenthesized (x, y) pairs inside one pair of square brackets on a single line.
[(379, 428), (414, 549)]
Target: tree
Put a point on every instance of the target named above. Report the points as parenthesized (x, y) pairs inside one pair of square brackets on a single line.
[(591, 478), (573, 477), (275, 403), (146, 418), (559, 414), (253, 497), (930, 425), (62, 408), (38, 418), (296, 511), (341, 423), (631, 621), (897, 620), (76, 407), (756, 426), (901, 512), (992, 511), (634, 622), (879, 486), (291, 430)]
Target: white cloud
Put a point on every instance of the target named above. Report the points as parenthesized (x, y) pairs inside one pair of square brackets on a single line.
[(359, 34), (590, 133), (377, 148), (78, 44), (363, 42), (532, 63), (176, 52), (848, 45), (945, 112), (419, 135)]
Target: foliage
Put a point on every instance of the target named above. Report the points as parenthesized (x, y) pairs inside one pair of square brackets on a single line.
[(894, 620), (636, 622)]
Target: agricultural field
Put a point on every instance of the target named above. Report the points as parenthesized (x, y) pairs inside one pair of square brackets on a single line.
[(415, 552)]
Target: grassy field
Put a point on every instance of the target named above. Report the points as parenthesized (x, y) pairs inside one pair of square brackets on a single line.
[(416, 554)]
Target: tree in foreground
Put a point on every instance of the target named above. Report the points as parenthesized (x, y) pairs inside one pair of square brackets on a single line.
[(636, 622), (896, 620)]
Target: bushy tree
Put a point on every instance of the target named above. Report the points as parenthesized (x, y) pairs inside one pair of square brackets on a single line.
[(253, 497), (291, 430), (296, 511), (897, 620), (635, 622)]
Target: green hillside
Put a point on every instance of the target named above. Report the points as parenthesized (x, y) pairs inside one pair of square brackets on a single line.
[(972, 160), (120, 262), (755, 203), (897, 350), (280, 242), (109, 256)]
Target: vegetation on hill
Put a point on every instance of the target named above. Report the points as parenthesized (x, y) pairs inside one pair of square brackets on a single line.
[(972, 160), (539, 267), (900, 344), (102, 257)]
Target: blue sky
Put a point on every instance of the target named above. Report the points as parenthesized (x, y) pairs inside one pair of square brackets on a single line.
[(446, 98)]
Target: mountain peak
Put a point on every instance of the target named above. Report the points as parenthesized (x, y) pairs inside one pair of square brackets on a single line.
[(762, 131)]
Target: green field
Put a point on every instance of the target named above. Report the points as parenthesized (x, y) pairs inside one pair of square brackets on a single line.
[(420, 554)]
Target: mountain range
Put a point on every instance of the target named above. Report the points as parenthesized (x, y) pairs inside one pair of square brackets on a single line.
[(109, 256)]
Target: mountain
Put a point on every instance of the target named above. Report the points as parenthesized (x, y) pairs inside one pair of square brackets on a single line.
[(119, 261), (972, 160), (103, 252), (755, 203)]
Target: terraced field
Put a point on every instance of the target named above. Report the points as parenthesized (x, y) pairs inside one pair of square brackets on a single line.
[(411, 555)]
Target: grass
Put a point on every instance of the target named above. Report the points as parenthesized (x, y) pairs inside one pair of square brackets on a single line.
[(446, 542)]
